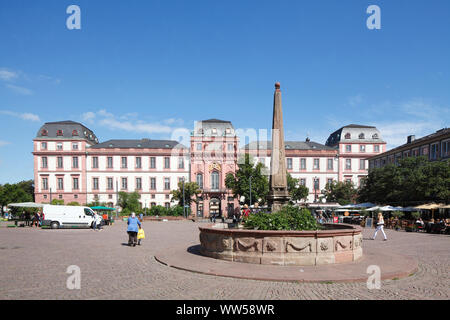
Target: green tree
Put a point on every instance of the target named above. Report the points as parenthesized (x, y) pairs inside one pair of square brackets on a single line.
[(73, 203), (129, 202), (414, 180), (12, 193), (191, 189), (340, 192), (239, 182), (57, 202), (297, 191)]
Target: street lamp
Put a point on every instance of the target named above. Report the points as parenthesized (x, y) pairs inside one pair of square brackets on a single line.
[(184, 204), (315, 188), (250, 191)]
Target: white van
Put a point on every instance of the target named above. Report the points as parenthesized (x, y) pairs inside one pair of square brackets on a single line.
[(68, 216)]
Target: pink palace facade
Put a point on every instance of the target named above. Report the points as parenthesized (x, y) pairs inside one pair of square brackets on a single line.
[(71, 164)]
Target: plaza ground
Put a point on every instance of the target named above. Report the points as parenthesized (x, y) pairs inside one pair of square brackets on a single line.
[(33, 265)]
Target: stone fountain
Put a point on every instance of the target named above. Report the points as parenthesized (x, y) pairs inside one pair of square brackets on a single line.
[(339, 243)]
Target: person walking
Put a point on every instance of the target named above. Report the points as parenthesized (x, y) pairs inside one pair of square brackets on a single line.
[(27, 218), (246, 211), (133, 228), (141, 233), (36, 219), (380, 225), (95, 222)]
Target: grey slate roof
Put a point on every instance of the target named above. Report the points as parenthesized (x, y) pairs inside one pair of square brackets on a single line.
[(68, 127), (289, 145), (354, 130), (139, 144), (205, 128)]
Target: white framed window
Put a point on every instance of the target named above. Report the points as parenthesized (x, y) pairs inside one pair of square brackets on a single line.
[(60, 162), (110, 183), (110, 162), (45, 183), (138, 183), (362, 164), (166, 162), (348, 164), (152, 162), (60, 183), (74, 162), (95, 162), (124, 162), (330, 164), (316, 164), (95, 183), (215, 180), (200, 180), (289, 163), (44, 162), (302, 164), (180, 163), (166, 183), (138, 162)]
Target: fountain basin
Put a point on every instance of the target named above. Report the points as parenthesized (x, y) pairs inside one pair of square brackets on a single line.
[(339, 243)]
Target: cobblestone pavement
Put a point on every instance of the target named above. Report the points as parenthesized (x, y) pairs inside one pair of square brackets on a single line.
[(33, 264)]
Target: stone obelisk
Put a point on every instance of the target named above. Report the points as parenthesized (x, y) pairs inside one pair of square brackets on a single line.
[(278, 192)]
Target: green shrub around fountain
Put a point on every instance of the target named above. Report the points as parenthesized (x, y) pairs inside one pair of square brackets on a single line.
[(288, 218)]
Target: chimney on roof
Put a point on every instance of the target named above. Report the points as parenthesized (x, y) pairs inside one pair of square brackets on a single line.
[(411, 138)]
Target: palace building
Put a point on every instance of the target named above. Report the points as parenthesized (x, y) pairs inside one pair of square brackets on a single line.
[(71, 164), (434, 147)]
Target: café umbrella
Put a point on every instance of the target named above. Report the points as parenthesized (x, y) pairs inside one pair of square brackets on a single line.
[(26, 205)]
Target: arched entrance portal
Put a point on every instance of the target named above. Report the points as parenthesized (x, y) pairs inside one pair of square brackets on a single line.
[(214, 207)]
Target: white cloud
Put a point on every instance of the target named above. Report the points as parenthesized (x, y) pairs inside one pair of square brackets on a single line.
[(3, 143), (395, 133), (23, 116), (173, 121), (30, 116), (88, 116), (355, 100), (138, 126), (7, 75), (19, 90), (129, 122)]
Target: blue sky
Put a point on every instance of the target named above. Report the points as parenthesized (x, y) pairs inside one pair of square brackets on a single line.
[(151, 68)]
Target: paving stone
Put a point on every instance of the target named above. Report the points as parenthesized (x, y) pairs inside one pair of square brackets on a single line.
[(34, 263)]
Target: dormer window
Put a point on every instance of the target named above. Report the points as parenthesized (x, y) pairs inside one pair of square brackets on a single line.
[(75, 133), (59, 132), (348, 136), (361, 136), (200, 131), (44, 132), (214, 131), (228, 130), (375, 136)]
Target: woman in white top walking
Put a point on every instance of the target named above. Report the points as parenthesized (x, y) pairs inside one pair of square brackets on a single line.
[(380, 225)]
